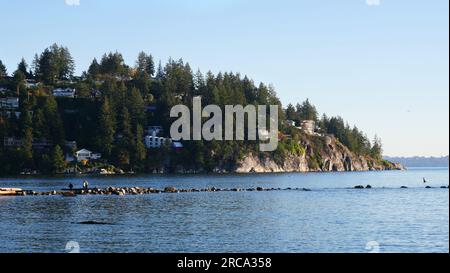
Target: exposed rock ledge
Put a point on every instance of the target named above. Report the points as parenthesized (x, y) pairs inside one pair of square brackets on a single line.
[(334, 157)]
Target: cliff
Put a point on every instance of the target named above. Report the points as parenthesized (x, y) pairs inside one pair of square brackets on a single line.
[(330, 157)]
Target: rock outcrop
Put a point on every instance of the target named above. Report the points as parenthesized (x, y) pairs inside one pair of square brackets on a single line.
[(332, 157)]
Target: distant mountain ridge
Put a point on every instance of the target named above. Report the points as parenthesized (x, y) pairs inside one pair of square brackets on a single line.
[(418, 161)]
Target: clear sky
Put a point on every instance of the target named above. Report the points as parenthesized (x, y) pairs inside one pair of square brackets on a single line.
[(380, 64)]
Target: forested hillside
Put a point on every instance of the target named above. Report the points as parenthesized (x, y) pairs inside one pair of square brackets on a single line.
[(114, 104)]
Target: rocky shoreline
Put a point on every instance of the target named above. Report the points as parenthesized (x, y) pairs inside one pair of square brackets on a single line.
[(333, 157), (121, 191)]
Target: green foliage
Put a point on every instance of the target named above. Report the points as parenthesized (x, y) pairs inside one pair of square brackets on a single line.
[(386, 164), (113, 124), (126, 140), (377, 149), (139, 150), (145, 64), (353, 138), (55, 63), (291, 114), (83, 90), (314, 163), (23, 67), (27, 136), (301, 112), (53, 127), (306, 111), (106, 130), (58, 162), (39, 124), (280, 154), (19, 79), (94, 69), (113, 64), (3, 71)]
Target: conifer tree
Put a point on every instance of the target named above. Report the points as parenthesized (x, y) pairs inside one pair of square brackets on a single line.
[(3, 71), (105, 135), (58, 160)]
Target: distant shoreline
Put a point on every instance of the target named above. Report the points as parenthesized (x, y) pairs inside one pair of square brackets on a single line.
[(421, 162)]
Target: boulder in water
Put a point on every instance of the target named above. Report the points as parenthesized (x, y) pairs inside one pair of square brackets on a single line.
[(93, 223), (170, 190)]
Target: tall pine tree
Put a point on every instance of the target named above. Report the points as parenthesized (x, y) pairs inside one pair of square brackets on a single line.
[(106, 130)]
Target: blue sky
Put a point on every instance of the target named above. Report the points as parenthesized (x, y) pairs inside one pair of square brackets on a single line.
[(382, 66)]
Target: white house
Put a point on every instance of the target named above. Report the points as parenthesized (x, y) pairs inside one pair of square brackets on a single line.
[(12, 142), (9, 103), (308, 126), (290, 123), (152, 142), (87, 155), (29, 83), (64, 92)]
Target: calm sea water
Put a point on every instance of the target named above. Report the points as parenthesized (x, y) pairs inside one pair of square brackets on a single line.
[(330, 218)]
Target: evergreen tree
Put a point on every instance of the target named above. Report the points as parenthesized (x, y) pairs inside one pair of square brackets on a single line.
[(136, 108), (307, 111), (160, 72), (3, 71), (323, 124), (23, 67), (145, 64), (54, 130), (35, 65), (27, 135), (45, 68), (140, 151), (83, 90), (113, 64), (65, 62), (126, 139), (178, 80), (105, 135), (53, 64), (39, 130), (19, 80), (290, 112), (199, 84), (144, 83), (377, 148), (58, 160), (94, 69)]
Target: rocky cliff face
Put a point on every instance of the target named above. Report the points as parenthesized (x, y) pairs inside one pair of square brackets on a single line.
[(333, 157)]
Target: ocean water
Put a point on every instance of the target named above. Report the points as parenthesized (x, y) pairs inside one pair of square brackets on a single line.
[(330, 218)]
